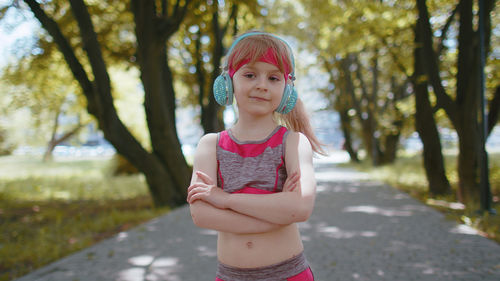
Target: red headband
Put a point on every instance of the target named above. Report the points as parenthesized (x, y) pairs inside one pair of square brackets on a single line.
[(269, 57)]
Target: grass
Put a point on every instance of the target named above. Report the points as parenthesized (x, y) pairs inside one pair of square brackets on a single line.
[(49, 210), (408, 175)]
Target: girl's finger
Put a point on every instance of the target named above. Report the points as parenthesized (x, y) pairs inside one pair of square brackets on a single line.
[(292, 182), (293, 178), (199, 195), (195, 185), (192, 199), (195, 190), (204, 177)]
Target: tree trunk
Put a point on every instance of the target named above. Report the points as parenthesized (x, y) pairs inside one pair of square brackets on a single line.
[(47, 156), (165, 169), (468, 164), (426, 125), (345, 122), (494, 110), (390, 146), (342, 104), (366, 128), (212, 119), (467, 103), (160, 100), (463, 110)]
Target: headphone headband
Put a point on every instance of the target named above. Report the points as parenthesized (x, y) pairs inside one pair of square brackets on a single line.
[(243, 36)]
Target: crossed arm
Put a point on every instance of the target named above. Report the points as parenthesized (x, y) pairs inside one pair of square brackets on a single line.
[(249, 213)]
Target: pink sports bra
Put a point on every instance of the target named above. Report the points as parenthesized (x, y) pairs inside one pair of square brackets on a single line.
[(256, 167)]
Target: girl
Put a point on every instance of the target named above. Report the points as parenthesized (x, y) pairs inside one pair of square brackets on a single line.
[(254, 182)]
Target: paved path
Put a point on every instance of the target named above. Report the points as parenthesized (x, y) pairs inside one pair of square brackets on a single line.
[(360, 230)]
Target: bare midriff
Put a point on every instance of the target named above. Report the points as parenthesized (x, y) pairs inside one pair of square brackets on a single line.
[(257, 250)]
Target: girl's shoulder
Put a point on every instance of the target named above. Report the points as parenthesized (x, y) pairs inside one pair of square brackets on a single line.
[(207, 142), (210, 137), (295, 137), (298, 141)]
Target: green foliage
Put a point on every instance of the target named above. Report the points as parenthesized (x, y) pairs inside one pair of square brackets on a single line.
[(40, 90), (6, 147), (129, 99), (189, 62), (49, 210), (40, 84)]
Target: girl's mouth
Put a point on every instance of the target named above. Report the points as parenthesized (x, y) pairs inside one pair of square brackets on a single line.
[(258, 98)]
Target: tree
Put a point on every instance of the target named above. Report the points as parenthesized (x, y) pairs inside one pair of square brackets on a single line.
[(462, 107), (200, 57), (342, 107), (356, 42), (202, 36), (425, 123), (164, 167), (42, 88)]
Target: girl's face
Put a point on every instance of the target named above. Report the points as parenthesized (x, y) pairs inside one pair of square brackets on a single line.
[(258, 88)]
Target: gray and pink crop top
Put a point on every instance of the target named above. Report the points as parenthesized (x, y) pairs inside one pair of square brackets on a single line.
[(256, 167)]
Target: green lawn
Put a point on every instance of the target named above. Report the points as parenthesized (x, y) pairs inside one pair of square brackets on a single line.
[(49, 210), (408, 174)]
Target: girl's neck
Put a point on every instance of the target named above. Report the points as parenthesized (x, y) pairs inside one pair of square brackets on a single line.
[(253, 129)]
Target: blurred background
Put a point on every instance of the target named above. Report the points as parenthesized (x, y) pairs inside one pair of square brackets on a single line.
[(103, 102)]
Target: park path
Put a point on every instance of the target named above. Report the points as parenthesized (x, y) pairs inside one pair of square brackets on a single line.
[(360, 230)]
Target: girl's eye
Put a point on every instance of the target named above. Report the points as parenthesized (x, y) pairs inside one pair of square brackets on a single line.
[(249, 75), (274, 78)]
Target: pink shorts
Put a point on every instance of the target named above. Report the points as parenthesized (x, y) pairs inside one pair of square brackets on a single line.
[(294, 269), (305, 275)]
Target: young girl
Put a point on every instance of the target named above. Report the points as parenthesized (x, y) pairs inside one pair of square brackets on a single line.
[(254, 182)]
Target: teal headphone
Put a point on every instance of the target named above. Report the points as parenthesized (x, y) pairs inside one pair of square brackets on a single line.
[(223, 86)]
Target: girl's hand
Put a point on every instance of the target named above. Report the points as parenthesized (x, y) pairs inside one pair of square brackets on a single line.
[(207, 191), (292, 182)]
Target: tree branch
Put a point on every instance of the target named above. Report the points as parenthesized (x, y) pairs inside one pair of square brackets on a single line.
[(431, 63), (444, 30), (345, 66), (361, 78), (93, 50), (69, 55), (167, 25)]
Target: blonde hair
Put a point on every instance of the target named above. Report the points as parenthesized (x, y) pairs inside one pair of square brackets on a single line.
[(298, 121), (255, 46)]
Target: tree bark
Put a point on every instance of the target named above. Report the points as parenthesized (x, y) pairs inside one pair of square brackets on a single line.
[(367, 130), (342, 105), (425, 124), (391, 144), (462, 111), (494, 110), (345, 122), (380, 143), (211, 112), (159, 102)]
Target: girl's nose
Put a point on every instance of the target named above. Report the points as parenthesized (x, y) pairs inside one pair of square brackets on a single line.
[(262, 83)]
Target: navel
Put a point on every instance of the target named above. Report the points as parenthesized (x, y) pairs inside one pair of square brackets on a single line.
[(249, 244)]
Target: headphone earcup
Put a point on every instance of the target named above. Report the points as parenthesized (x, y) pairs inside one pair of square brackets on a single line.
[(288, 100), (223, 89)]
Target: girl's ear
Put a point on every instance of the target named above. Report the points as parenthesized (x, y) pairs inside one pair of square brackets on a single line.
[(288, 100)]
